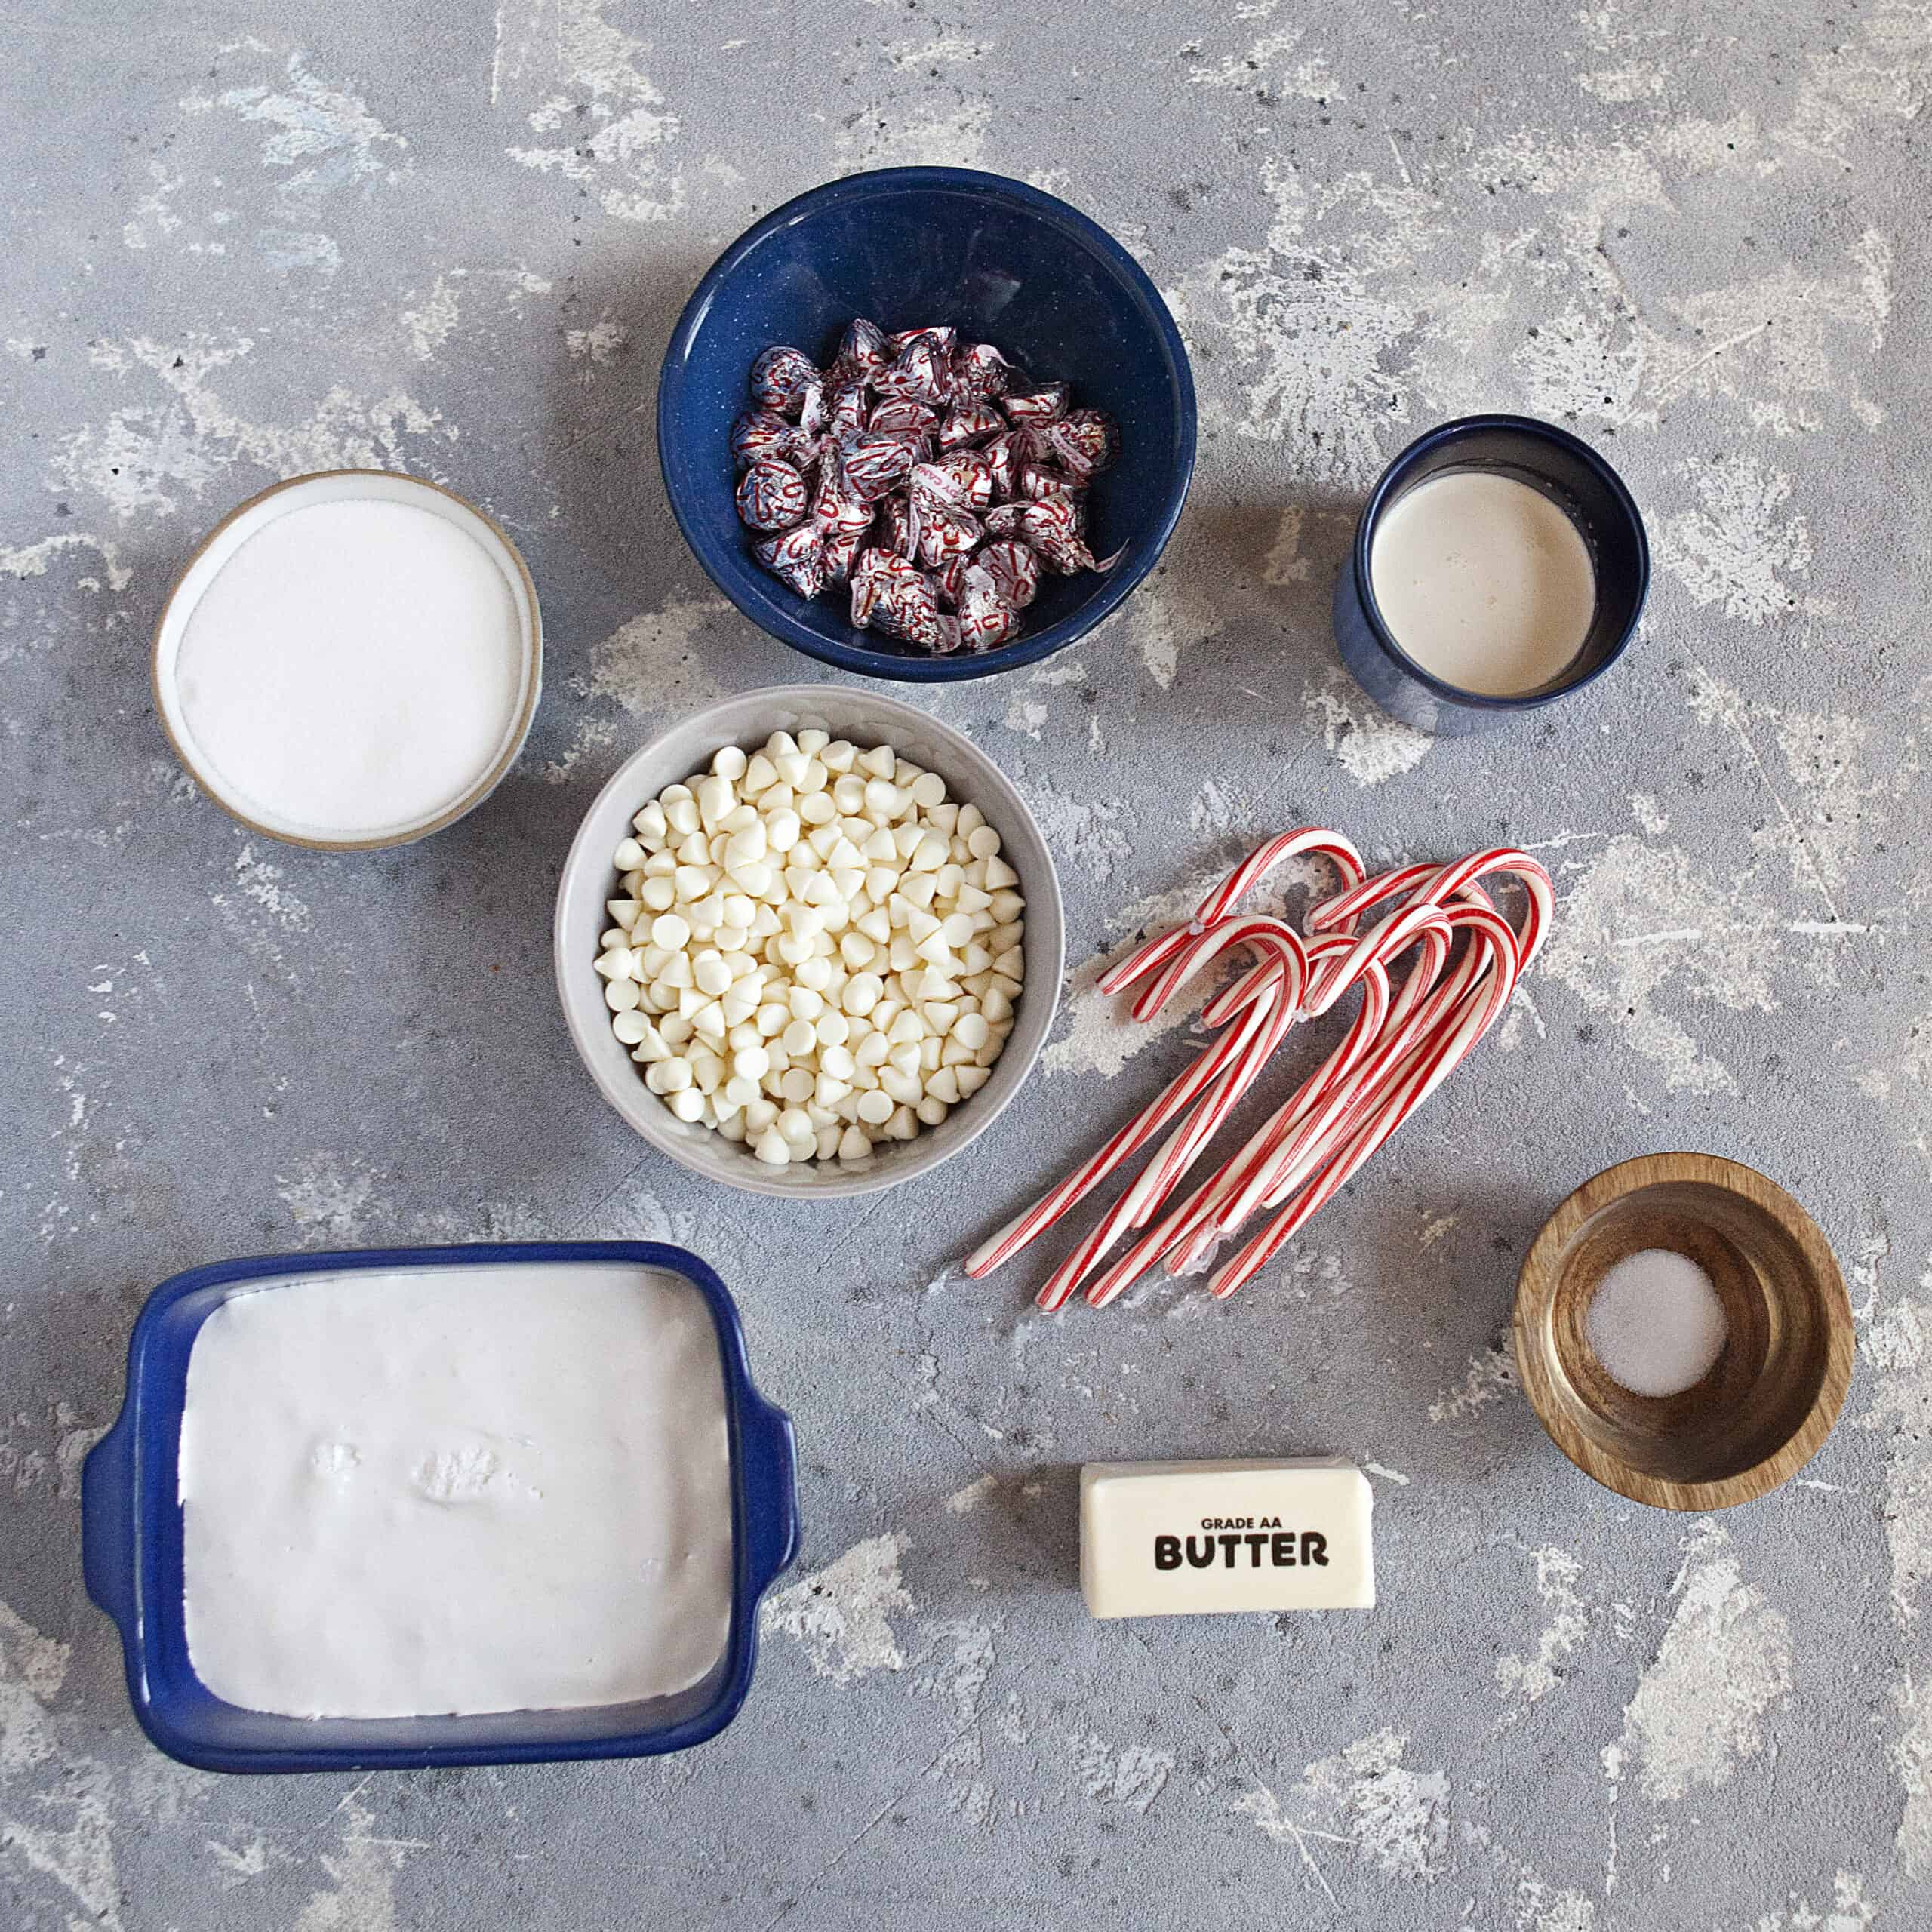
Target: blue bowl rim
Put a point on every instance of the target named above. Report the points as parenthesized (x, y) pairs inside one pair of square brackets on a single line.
[(771, 610), (1392, 477), (115, 1548)]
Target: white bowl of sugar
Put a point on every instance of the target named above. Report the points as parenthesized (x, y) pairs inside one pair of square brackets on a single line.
[(350, 660)]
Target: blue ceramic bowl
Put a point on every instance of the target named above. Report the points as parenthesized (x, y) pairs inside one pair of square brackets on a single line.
[(131, 1548), (907, 246), (1565, 469)]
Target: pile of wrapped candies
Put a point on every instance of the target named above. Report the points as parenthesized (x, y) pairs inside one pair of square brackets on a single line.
[(924, 473)]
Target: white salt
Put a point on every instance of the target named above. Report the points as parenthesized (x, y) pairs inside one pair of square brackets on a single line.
[(1656, 1323), (353, 668)]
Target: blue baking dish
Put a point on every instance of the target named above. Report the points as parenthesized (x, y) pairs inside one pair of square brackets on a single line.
[(131, 1547)]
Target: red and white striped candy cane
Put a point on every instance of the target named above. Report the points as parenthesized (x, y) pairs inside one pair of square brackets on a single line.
[(1400, 1047)]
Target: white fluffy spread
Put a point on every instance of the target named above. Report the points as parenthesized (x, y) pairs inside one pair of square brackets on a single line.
[(352, 668), (457, 1489)]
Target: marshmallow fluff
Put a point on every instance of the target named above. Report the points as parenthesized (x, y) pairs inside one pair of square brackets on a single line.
[(353, 669), (813, 949), (1656, 1323), (1483, 581), (444, 1490)]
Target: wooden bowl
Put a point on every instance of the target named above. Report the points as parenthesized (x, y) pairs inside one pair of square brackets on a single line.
[(1769, 1400)]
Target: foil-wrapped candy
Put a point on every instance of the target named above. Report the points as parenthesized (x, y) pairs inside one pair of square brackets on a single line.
[(873, 461), (862, 351), (779, 379), (1039, 479), (945, 532), (1085, 441), (979, 371), (837, 511), (902, 416), (969, 423), (924, 473), (986, 617), (1014, 568), (1046, 404), (940, 336), (897, 531), (761, 432), (921, 374), (797, 556), (771, 494), (968, 478), (842, 553)]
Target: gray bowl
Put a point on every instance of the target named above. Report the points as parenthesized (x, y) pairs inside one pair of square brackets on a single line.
[(868, 718)]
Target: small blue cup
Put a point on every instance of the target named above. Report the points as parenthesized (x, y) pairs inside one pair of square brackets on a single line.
[(1009, 265), (1565, 469), (131, 1547)]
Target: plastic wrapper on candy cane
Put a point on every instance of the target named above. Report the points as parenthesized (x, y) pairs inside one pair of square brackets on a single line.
[(1463, 961)]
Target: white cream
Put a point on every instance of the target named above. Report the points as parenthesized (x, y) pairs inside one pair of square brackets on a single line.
[(457, 1489), (353, 669), (1483, 581)]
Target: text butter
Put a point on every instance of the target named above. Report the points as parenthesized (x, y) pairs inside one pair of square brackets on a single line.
[(1166, 1539)]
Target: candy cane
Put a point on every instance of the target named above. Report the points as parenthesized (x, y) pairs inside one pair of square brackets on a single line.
[(1400, 1047)]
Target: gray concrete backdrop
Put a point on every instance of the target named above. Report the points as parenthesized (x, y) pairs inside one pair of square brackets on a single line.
[(245, 241)]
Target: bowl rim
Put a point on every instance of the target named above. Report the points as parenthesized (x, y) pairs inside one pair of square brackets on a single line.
[(1046, 921), (1536, 1282), (474, 795), (771, 611)]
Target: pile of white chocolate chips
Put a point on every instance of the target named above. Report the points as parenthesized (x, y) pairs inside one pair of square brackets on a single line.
[(813, 949)]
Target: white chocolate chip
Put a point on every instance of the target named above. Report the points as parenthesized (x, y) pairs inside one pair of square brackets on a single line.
[(811, 949)]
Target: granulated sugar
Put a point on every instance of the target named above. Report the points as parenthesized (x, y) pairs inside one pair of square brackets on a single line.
[(1656, 1323)]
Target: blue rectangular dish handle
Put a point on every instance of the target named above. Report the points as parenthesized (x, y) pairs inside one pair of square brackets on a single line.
[(771, 1488), (107, 1524)]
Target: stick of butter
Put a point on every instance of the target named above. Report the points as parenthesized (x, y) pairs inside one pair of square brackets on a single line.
[(1162, 1538)]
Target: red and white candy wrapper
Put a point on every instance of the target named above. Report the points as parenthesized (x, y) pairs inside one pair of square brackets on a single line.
[(923, 473), (1046, 404), (903, 416), (779, 379), (771, 494), (798, 556), (909, 607), (986, 617), (970, 422), (848, 412), (862, 353), (1014, 570), (1085, 441), (1004, 454), (874, 572), (1040, 479), (970, 476), (898, 530), (939, 337), (837, 509), (922, 373), (841, 554), (944, 533), (761, 432), (1397, 1049), (873, 463), (979, 371)]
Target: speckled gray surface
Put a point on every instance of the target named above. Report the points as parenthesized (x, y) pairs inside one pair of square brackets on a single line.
[(243, 242)]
